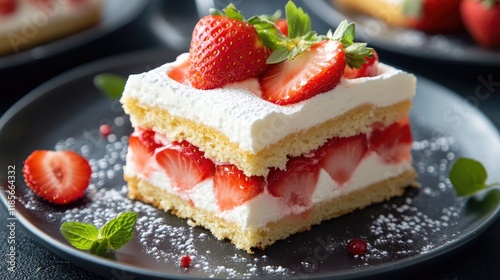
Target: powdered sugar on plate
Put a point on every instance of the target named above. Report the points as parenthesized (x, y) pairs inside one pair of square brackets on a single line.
[(398, 229)]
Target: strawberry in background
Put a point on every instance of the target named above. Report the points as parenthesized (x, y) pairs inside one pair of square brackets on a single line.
[(7, 7), (433, 16), (482, 20)]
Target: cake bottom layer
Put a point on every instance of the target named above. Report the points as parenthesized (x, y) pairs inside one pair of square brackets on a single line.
[(249, 238)]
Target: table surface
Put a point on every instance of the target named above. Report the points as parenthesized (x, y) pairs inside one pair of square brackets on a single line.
[(479, 260)]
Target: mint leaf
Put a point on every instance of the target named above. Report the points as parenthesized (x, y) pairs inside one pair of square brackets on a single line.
[(80, 235), (113, 235), (468, 176), (111, 85), (100, 247), (119, 230)]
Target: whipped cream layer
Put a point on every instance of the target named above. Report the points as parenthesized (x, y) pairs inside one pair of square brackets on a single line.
[(238, 111), (266, 208)]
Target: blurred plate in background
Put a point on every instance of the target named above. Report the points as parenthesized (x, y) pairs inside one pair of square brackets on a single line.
[(459, 48), (116, 13)]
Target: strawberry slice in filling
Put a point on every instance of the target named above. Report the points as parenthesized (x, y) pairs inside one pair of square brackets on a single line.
[(186, 166)]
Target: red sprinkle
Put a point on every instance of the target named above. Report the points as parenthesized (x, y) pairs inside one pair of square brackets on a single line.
[(357, 246), (105, 130), (185, 261), (7, 7)]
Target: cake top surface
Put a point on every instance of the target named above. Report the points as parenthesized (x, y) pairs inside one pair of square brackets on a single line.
[(238, 111)]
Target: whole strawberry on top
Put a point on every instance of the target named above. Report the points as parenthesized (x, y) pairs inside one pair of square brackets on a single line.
[(225, 48), (292, 63), (482, 19)]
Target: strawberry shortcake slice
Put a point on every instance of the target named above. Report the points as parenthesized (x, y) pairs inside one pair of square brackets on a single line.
[(256, 134)]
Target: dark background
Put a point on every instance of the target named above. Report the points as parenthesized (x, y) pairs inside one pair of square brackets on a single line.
[(479, 260)]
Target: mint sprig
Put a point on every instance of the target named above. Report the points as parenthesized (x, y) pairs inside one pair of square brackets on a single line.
[(113, 235), (111, 85), (468, 176)]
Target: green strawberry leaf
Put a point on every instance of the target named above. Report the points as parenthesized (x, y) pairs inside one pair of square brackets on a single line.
[(489, 3), (268, 32), (232, 12), (80, 235), (413, 8), (273, 18), (299, 22), (344, 33), (111, 85), (300, 36), (356, 53), (119, 230), (468, 176)]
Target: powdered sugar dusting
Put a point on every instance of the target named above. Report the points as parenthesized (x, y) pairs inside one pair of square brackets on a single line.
[(398, 229)]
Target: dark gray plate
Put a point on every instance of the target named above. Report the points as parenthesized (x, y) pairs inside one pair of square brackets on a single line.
[(424, 225), (115, 14), (459, 48)]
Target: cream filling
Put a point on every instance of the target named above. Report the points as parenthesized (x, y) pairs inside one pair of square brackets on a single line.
[(266, 208), (238, 112)]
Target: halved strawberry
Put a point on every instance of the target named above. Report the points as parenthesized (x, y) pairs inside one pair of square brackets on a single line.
[(305, 64), (282, 26), (368, 69), (232, 187), (340, 156), (185, 164), (225, 49), (142, 145), (314, 71), (392, 143), (7, 7), (180, 73), (296, 183), (60, 177)]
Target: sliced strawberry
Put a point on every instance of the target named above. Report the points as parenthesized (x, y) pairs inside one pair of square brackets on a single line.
[(296, 184), (316, 70), (392, 143), (184, 164), (7, 7), (282, 26), (180, 73), (60, 177), (232, 187), (340, 156), (368, 69)]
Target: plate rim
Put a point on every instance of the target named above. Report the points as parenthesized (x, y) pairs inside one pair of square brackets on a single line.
[(69, 252), (67, 43)]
